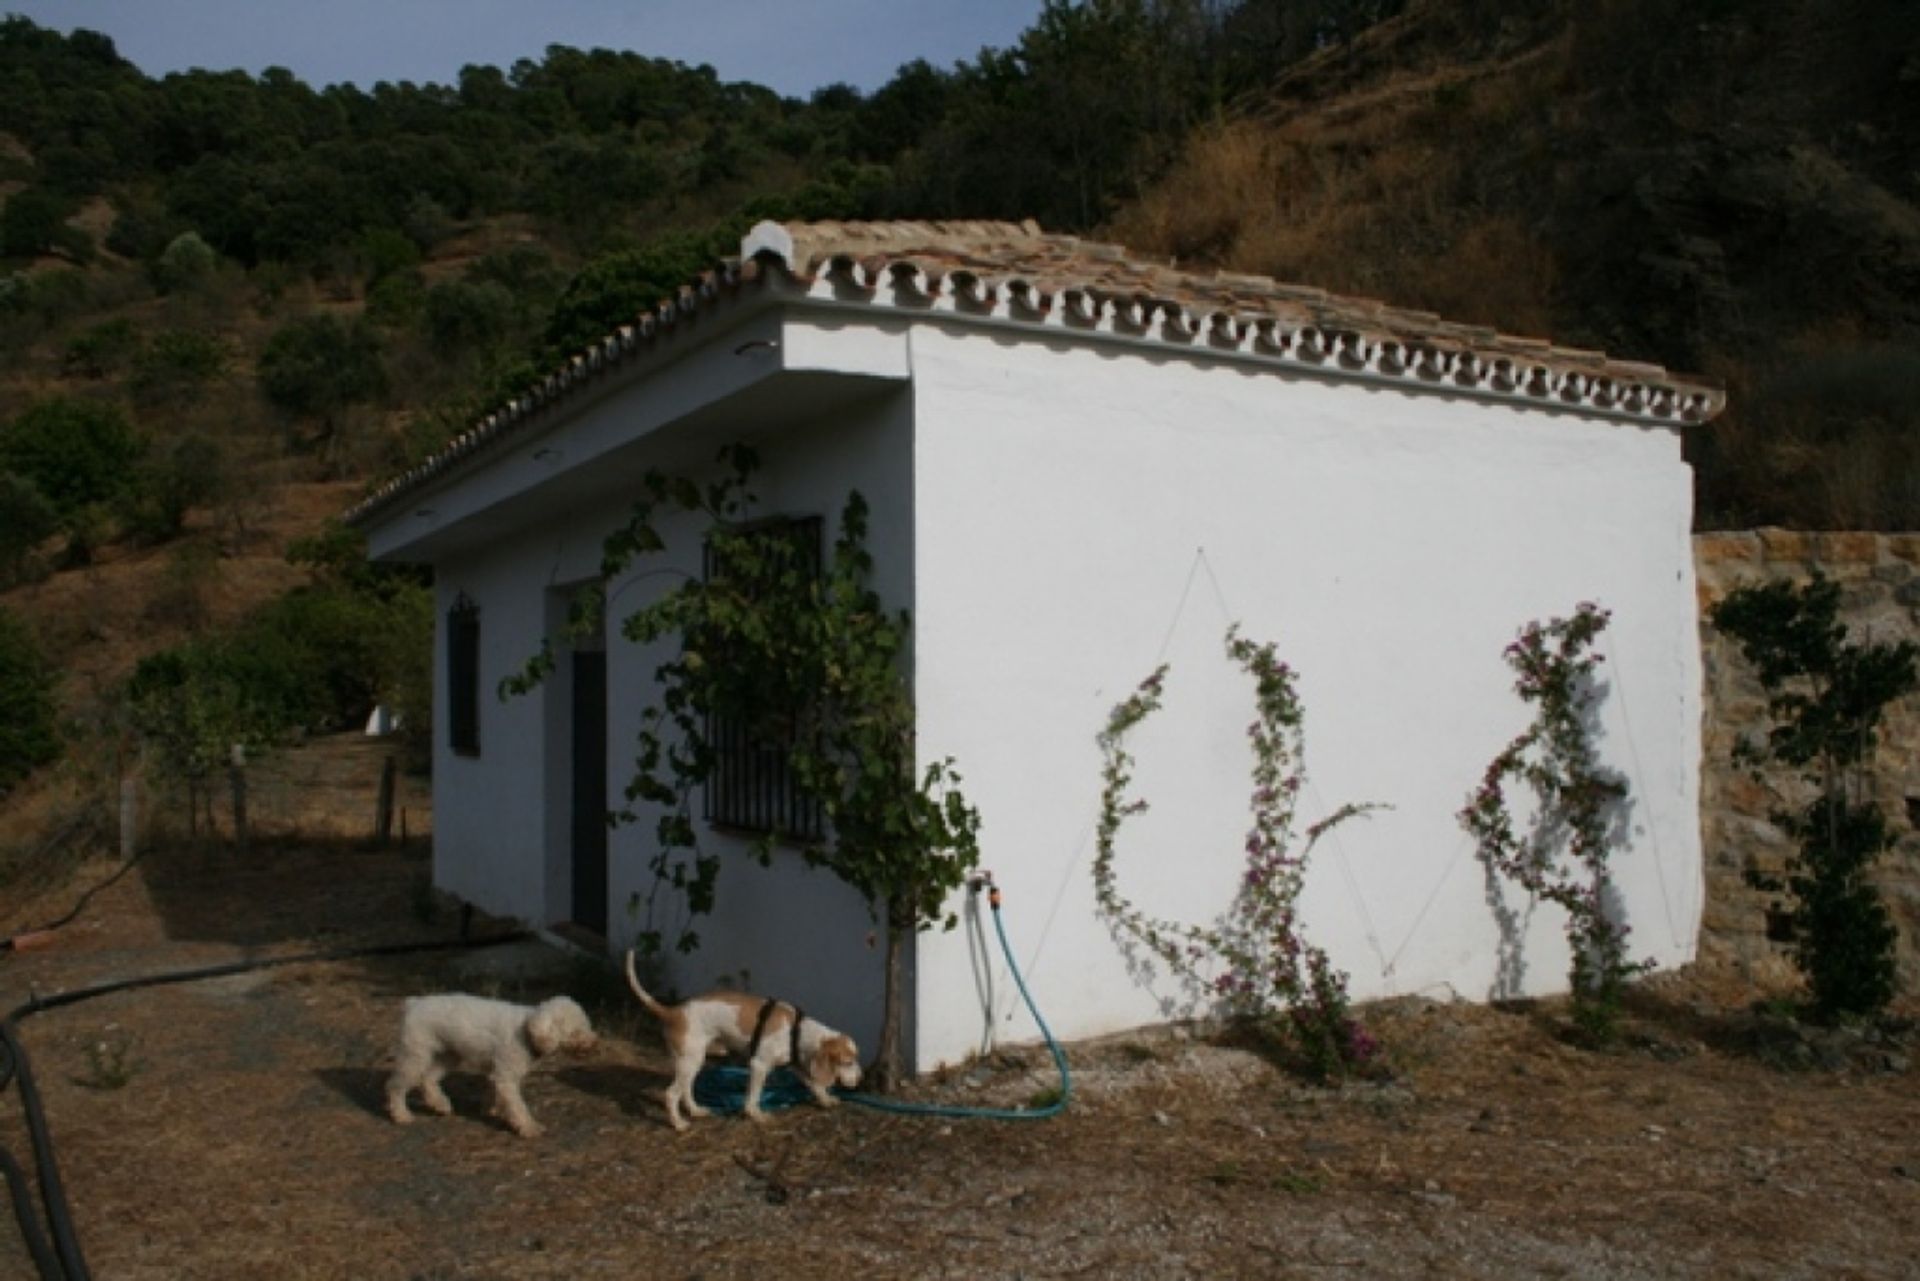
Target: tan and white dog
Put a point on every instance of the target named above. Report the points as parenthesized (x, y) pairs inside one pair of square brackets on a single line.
[(729, 1019), (503, 1039)]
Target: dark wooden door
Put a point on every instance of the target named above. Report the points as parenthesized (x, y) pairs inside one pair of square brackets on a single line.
[(590, 791)]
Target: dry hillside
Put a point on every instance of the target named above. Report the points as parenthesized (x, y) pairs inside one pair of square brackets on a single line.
[(1724, 188)]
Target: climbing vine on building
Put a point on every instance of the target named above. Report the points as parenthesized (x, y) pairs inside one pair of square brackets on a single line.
[(1255, 961), (1563, 857), (800, 654)]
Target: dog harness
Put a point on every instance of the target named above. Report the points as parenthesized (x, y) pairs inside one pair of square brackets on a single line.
[(760, 1027)]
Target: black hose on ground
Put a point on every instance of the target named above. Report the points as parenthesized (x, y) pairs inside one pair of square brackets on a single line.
[(8, 943), (63, 1261), (44, 1261), (53, 1193), (58, 999)]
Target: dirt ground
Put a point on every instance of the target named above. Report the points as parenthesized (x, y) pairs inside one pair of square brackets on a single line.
[(232, 1129)]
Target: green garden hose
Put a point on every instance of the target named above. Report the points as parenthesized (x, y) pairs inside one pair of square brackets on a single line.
[(724, 1088)]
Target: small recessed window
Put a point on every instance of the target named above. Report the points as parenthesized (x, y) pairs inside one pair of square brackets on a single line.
[(751, 785), (463, 677)]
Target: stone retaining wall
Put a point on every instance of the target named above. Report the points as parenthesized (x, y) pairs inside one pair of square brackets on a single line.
[(1879, 576)]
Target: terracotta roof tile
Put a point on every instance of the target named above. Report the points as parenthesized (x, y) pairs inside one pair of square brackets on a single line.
[(1017, 273), (1053, 264)]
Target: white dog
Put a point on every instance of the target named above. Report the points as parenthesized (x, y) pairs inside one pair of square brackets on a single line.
[(771, 1033), (454, 1030)]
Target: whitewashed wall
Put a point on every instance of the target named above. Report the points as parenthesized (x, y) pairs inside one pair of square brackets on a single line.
[(1060, 519), (503, 818), (489, 808), (1083, 515)]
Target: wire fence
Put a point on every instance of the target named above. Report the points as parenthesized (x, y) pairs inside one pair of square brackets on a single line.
[(345, 788)]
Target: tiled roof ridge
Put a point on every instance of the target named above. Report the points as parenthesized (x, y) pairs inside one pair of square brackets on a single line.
[(1017, 269), (1015, 272)]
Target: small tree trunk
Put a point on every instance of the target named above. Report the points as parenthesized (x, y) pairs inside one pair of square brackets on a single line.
[(886, 1072)]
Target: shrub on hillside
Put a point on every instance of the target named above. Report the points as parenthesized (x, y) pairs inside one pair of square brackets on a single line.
[(175, 368), (75, 452), (616, 289), (28, 736), (316, 369), (396, 301), (27, 519), (187, 472), (293, 665), (186, 261), (386, 251), (181, 597), (399, 648), (582, 184), (33, 302), (317, 659), (102, 349), (90, 526), (526, 270), (141, 229), (426, 222), (317, 366), (464, 319), (34, 222)]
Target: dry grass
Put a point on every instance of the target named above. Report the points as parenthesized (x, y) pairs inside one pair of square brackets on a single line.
[(1372, 191), (1528, 168), (100, 621), (98, 618), (246, 1139)]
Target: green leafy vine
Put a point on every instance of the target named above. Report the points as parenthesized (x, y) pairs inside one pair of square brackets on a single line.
[(1826, 695), (1564, 858), (1255, 961), (808, 659)]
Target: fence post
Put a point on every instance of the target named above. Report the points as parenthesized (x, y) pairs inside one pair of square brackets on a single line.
[(237, 779), (129, 818), (383, 814)]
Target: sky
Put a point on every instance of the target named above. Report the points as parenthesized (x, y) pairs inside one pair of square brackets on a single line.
[(791, 46)]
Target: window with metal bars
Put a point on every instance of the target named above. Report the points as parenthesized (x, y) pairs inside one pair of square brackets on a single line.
[(751, 787), (463, 677)]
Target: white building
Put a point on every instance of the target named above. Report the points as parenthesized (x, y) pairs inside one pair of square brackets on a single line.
[(1079, 466)]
